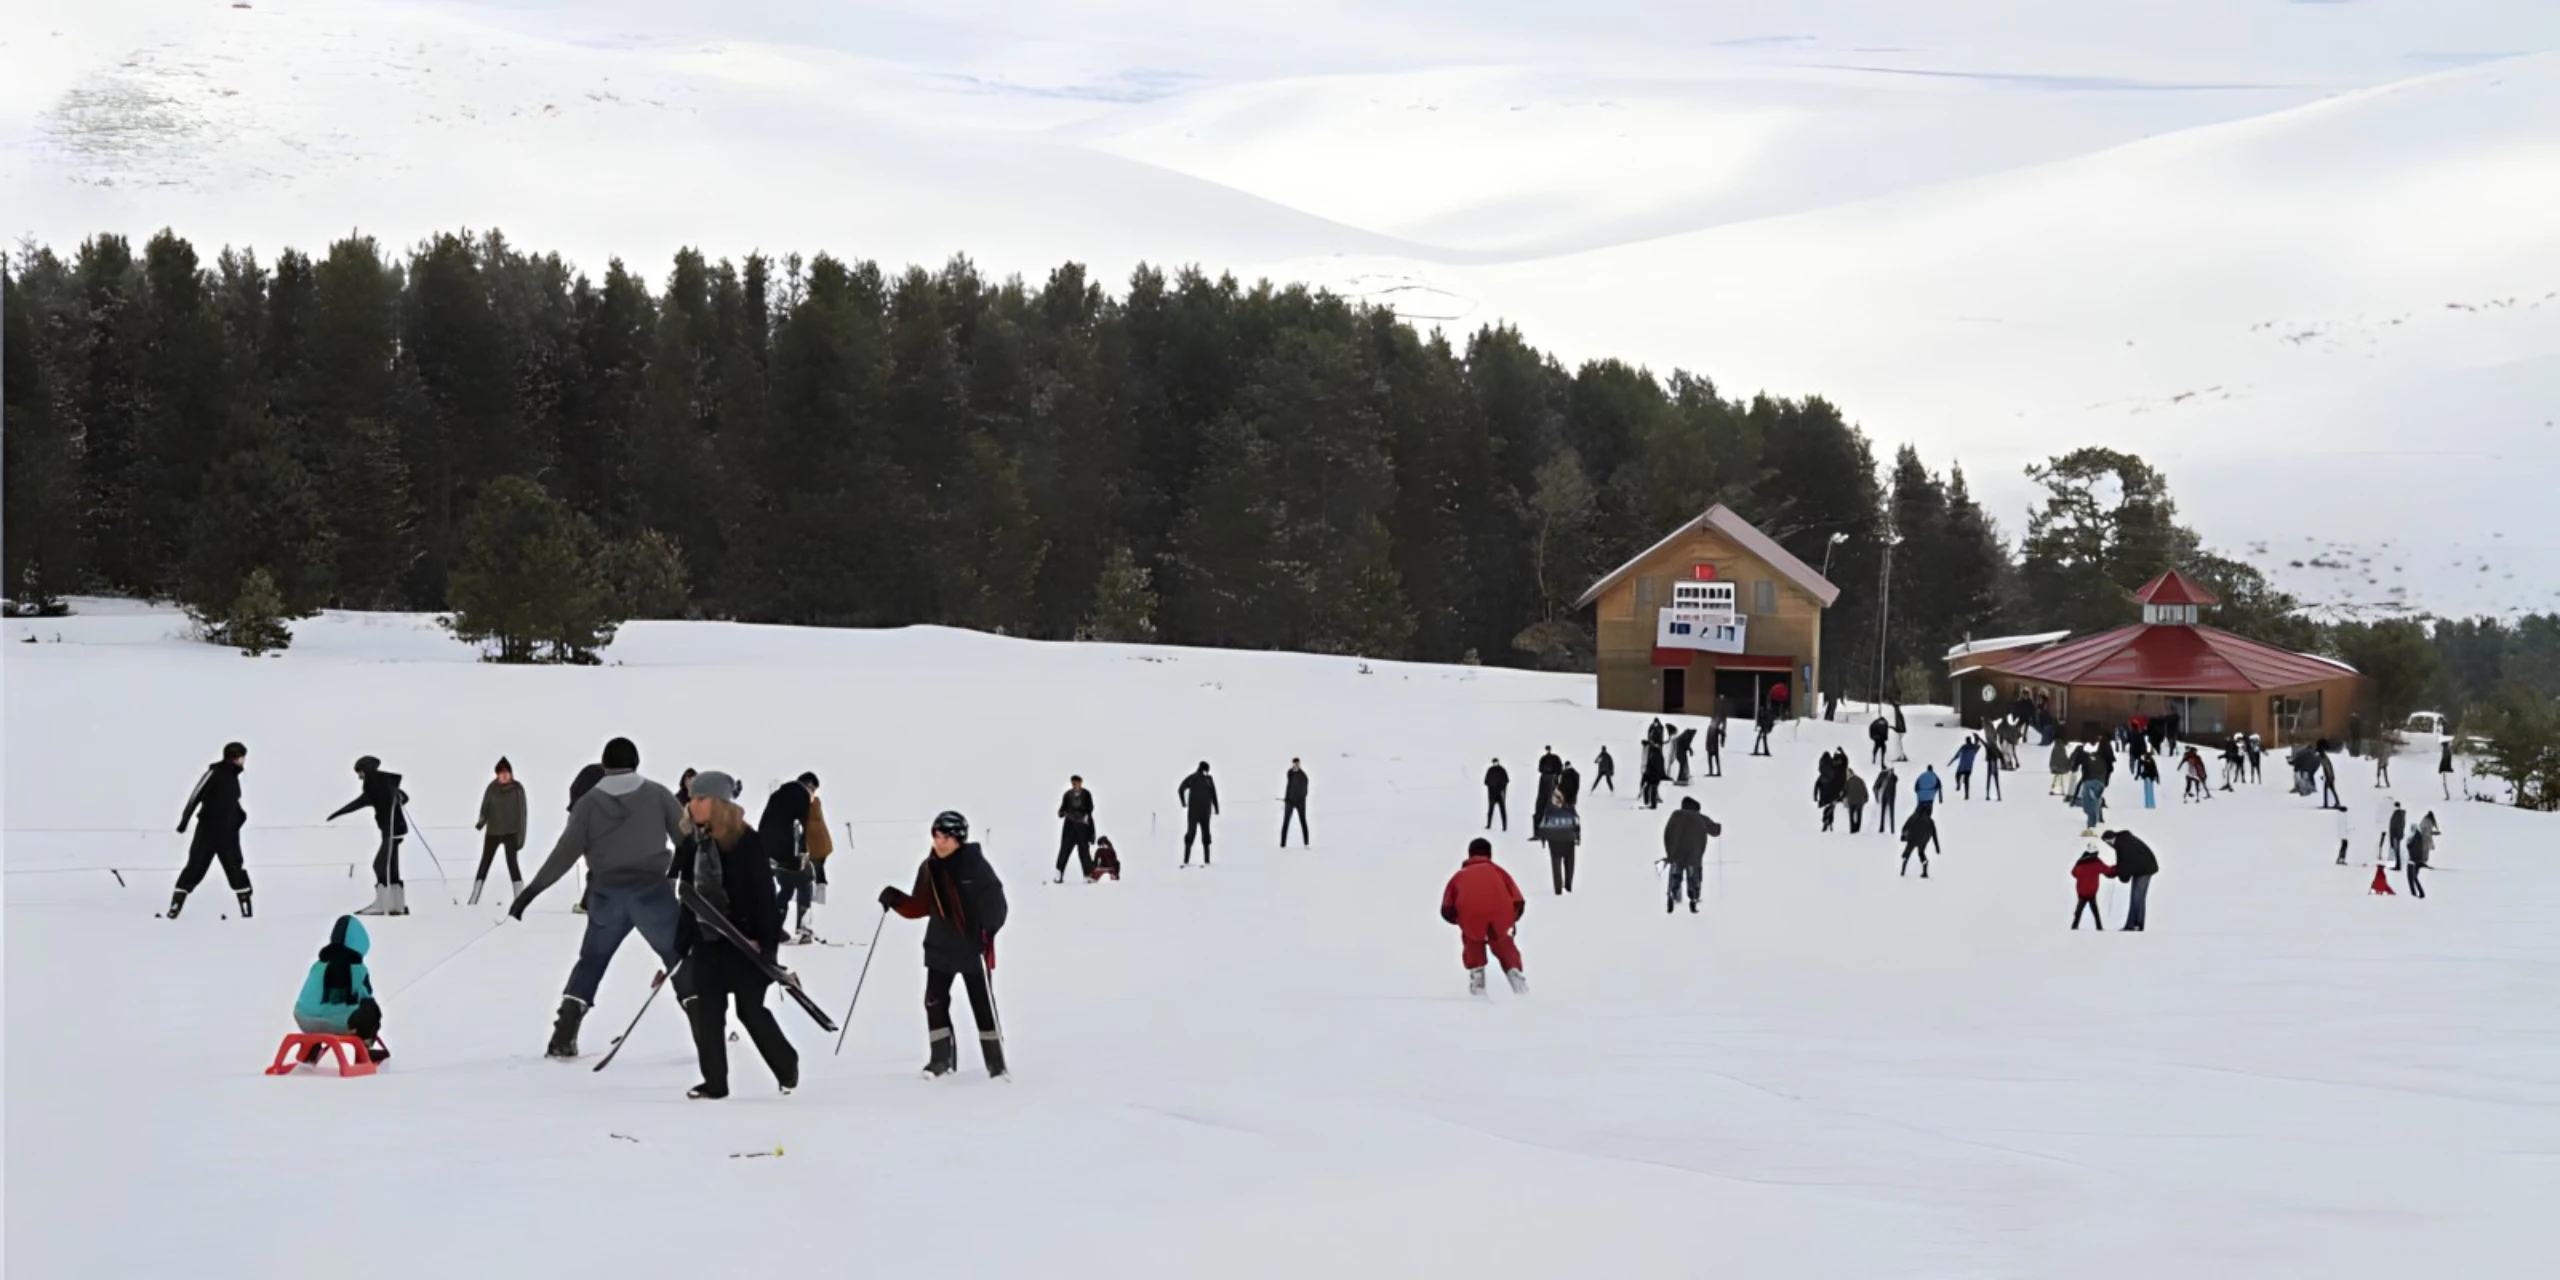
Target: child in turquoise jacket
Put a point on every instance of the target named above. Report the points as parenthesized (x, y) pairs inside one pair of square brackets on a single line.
[(337, 997)]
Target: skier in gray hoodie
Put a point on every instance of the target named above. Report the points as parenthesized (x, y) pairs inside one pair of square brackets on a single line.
[(625, 827)]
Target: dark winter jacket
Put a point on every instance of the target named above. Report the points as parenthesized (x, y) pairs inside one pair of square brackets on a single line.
[(1482, 898), (1921, 832), (502, 810), (587, 778), (1686, 743), (1886, 782), (962, 904), (623, 826), (2421, 847), (744, 894), (1684, 836), (2133, 857), (1898, 722), (217, 800), (1075, 808), (1497, 780), (2399, 822), (1295, 792), (1853, 792), (1549, 765), (1878, 731), (786, 811), (1569, 787), (381, 794), (1607, 768), (1199, 794)]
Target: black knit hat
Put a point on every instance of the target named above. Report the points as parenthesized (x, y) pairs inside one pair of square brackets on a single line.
[(1479, 848), (234, 751), (621, 753), (503, 766), (368, 764), (809, 780)]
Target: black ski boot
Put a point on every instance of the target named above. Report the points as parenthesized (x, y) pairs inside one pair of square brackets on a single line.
[(564, 1031), (706, 1093), (244, 904), (177, 903), (991, 1050), (946, 1055)]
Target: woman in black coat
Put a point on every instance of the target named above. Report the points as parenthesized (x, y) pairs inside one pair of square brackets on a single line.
[(724, 862)]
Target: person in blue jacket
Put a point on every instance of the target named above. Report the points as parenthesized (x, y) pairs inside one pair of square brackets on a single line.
[(1963, 762), (1925, 789), (337, 997)]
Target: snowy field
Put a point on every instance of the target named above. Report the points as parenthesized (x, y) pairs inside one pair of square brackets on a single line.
[(1267, 1068), (2299, 255)]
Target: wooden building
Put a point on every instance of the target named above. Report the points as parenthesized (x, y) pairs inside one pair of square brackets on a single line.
[(1966, 670), (1713, 618), (2170, 662)]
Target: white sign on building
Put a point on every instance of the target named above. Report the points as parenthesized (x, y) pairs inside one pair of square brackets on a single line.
[(1701, 616)]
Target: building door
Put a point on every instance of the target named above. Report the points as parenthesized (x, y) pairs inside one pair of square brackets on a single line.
[(1675, 690)]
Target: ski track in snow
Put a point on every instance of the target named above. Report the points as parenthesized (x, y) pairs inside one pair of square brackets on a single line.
[(1262, 1068)]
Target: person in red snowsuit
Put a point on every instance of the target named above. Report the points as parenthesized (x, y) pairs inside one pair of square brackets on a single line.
[(1486, 906), (2086, 873)]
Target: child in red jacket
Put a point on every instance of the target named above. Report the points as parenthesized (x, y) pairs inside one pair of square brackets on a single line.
[(2086, 873), (1485, 905)]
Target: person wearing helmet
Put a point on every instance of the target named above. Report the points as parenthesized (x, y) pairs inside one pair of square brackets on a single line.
[(962, 903)]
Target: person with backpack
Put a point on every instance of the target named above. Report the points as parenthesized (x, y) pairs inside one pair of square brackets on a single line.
[(216, 810), (1075, 828), (1487, 907), (1684, 851), (962, 903), (1560, 829), (380, 791), (726, 864), (502, 826), (1199, 796), (793, 835), (337, 994), (1919, 836), (2135, 865)]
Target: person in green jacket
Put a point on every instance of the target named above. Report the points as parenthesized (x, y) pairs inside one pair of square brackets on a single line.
[(501, 825)]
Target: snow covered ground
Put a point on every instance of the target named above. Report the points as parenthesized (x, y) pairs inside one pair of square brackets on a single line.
[(2297, 254), (1262, 1069)]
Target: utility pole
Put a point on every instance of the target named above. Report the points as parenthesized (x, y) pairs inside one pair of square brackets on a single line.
[(1884, 613)]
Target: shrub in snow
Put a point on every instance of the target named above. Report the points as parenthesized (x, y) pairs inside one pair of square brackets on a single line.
[(530, 580), (256, 621)]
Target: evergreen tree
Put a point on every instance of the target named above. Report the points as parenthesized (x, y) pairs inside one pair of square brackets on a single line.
[(258, 622), (529, 578), (1124, 602), (2396, 658), (260, 513), (39, 452), (645, 573)]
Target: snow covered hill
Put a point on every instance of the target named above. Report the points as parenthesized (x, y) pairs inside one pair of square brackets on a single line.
[(1266, 1068)]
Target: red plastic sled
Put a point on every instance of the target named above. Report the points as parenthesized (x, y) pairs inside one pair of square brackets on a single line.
[(353, 1058), (2381, 882)]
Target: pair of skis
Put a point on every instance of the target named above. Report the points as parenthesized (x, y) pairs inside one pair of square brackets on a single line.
[(720, 924)]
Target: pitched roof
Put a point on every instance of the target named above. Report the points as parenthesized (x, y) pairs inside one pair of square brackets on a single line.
[(1997, 643), (2172, 659), (1722, 519), (2174, 587)]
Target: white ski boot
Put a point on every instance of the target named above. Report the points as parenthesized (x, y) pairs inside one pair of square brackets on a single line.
[(381, 905), (476, 887), (1519, 981), (1475, 981), (399, 900)]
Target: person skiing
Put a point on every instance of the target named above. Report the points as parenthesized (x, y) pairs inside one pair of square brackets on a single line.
[(1963, 761), (1888, 783), (1075, 828), (1925, 790), (1853, 797), (1649, 784), (1487, 907), (1715, 747), (380, 792), (337, 994), (2422, 848), (1919, 836), (793, 836), (214, 807), (1293, 799), (725, 862), (502, 826), (962, 903), (1497, 795), (1561, 831), (1604, 772), (624, 828), (2085, 874), (1199, 796), (1877, 731), (1684, 850), (1682, 749), (2135, 865)]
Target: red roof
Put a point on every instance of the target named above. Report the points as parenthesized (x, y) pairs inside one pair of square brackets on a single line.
[(2172, 659), (2174, 587)]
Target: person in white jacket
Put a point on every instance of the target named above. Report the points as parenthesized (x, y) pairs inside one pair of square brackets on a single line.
[(2346, 832)]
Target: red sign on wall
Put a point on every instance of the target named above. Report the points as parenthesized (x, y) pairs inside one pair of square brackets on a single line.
[(1703, 572)]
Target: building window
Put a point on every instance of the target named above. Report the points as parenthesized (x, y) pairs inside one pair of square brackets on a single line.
[(2295, 718), (1644, 593), (1764, 597)]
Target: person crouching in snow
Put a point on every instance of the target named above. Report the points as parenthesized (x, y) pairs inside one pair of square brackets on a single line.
[(2086, 873), (337, 997), (1486, 906), (1106, 860)]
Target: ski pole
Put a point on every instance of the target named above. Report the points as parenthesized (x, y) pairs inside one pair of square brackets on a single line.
[(450, 957), (665, 979), (420, 833), (847, 1028)]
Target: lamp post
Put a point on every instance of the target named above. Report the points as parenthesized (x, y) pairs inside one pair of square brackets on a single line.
[(1828, 548), (1884, 613)]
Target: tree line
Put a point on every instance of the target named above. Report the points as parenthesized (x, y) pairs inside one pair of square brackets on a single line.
[(468, 427)]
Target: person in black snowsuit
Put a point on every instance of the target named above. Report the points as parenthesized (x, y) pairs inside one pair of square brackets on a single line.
[(1684, 851), (1887, 788), (1919, 836), (780, 833), (2135, 865), (725, 862), (1682, 748), (962, 903), (1544, 794), (1649, 783), (1877, 731), (1829, 784), (1605, 772), (1715, 747), (1199, 796), (1497, 795), (215, 808), (1569, 786), (1075, 828), (1768, 720), (381, 793), (1293, 799)]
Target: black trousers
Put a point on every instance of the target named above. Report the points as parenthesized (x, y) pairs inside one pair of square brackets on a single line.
[(1609, 780), (386, 861), (1760, 743), (1828, 809), (1298, 807), (489, 846), (1076, 838), (713, 976), (1857, 812), (1884, 815), (207, 846), (2416, 890), (1198, 826), (982, 1006), (1495, 803), (2089, 905), (1715, 763), (1560, 864)]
